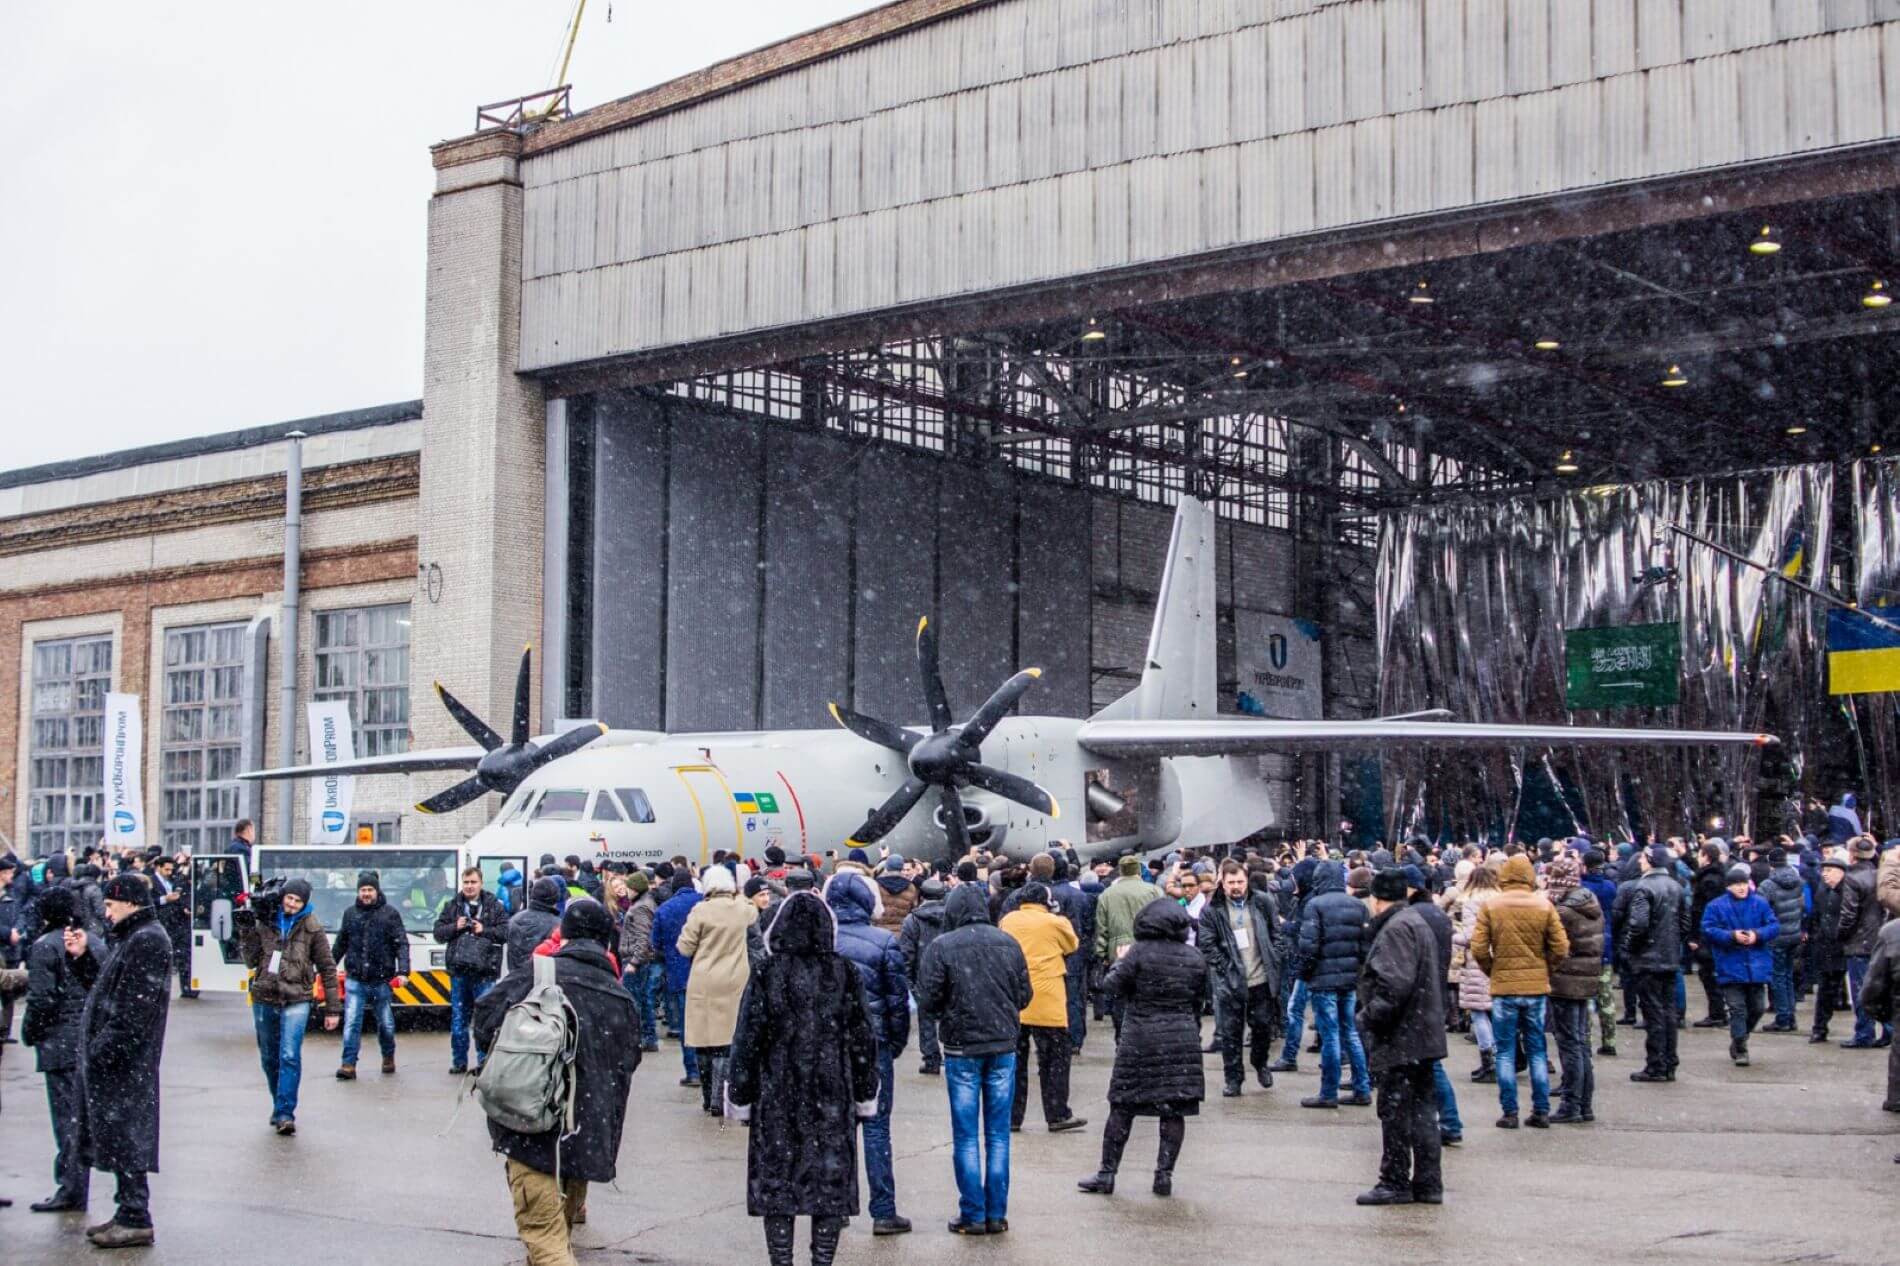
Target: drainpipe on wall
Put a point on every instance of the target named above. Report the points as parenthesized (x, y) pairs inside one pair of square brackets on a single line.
[(293, 600)]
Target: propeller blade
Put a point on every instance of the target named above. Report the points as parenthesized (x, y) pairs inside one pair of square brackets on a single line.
[(1011, 787), (954, 826), (562, 744), (476, 727), (978, 727), (455, 797), (523, 681), (891, 812), (883, 733), (939, 702)]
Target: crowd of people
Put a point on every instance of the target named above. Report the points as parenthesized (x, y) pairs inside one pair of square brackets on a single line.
[(793, 986)]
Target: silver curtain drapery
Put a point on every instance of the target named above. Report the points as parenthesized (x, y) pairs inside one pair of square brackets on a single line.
[(1872, 719), (1473, 601)]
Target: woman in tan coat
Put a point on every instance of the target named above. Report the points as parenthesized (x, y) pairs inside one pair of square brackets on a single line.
[(715, 939), (1474, 987)]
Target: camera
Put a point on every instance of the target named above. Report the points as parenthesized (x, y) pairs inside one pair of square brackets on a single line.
[(267, 899)]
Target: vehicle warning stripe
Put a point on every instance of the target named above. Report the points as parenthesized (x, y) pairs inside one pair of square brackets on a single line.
[(427, 989)]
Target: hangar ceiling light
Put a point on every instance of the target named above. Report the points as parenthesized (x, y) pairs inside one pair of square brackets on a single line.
[(1421, 293), (1876, 296), (1567, 464), (1765, 244), (1675, 378)]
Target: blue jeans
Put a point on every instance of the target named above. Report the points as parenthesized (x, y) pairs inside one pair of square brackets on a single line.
[(676, 1022), (644, 983), (378, 998), (1507, 1016), (1295, 1022), (1333, 1011), (877, 1143), (280, 1050), (1781, 984), (981, 1089), (464, 991), (1863, 1018), (1448, 1121)]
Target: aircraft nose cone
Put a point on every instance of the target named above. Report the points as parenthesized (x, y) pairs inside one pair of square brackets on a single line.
[(935, 759)]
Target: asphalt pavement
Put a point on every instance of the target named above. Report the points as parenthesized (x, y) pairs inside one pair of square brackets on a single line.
[(1790, 1160)]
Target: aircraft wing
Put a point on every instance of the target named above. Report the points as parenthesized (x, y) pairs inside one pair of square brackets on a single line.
[(399, 763), (1248, 737)]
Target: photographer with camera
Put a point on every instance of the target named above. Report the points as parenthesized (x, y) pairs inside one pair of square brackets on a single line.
[(475, 928), (373, 946), (287, 952)]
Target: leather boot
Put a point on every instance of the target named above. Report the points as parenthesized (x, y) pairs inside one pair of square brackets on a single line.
[(1103, 1184), (778, 1240), (824, 1240), (1487, 1069)]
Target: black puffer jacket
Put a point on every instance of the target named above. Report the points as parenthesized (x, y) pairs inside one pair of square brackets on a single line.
[(608, 1051), (803, 1056), (1225, 959), (534, 925), (1164, 982), (1784, 891), (874, 952), (372, 944), (1332, 932), (922, 927), (1401, 992), (1655, 925), (472, 954), (1706, 886), (975, 980), (1881, 992)]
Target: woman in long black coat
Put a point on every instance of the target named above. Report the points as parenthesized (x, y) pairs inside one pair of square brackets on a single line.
[(803, 1068), (1163, 982)]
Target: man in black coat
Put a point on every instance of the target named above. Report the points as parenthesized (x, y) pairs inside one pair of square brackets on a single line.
[(974, 981), (528, 928), (1711, 878), (1401, 997), (372, 947), (1332, 947), (1860, 921), (475, 928), (173, 900), (1237, 938), (122, 1035), (55, 1007), (607, 1031), (1652, 930)]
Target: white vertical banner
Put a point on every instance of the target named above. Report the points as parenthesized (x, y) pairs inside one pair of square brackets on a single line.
[(124, 777), (331, 743)]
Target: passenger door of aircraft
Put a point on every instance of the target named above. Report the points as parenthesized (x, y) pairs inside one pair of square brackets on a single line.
[(719, 825)]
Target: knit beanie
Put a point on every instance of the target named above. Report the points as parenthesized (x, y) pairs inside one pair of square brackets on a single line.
[(1561, 877)]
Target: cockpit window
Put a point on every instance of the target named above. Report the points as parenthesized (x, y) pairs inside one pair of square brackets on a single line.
[(604, 808), (562, 804), (639, 808), (516, 809)]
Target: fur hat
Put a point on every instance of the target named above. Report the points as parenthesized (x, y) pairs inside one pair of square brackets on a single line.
[(135, 889), (1389, 884), (586, 919)]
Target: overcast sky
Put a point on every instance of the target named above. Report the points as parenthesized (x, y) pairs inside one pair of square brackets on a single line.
[(214, 211)]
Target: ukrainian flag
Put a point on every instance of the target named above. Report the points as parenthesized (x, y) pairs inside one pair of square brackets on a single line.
[(749, 803), (1863, 657)]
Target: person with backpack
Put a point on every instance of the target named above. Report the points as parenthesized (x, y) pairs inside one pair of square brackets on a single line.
[(562, 1036), (803, 1072), (475, 928)]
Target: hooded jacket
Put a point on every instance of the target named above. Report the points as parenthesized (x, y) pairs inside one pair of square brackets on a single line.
[(1332, 943), (875, 953), (804, 1061), (1575, 978), (973, 979), (1047, 941), (1162, 981), (372, 944), (922, 926), (1519, 940), (534, 925)]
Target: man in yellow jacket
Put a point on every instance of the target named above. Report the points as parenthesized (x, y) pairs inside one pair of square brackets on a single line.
[(1047, 940), (1518, 942)]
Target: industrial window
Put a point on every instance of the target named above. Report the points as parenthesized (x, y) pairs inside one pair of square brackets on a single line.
[(385, 829), (66, 781), (363, 659), (202, 696)]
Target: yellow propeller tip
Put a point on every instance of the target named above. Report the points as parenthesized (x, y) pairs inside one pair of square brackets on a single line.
[(526, 647), (922, 620), (438, 688), (602, 725), (1055, 808), (423, 808), (1033, 672), (834, 713)]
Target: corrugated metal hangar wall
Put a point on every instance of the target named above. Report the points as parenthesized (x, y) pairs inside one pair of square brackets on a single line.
[(739, 574)]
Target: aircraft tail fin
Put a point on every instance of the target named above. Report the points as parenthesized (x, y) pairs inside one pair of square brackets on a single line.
[(1178, 676)]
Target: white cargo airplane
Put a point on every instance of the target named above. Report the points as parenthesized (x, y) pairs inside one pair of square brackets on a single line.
[(1188, 772)]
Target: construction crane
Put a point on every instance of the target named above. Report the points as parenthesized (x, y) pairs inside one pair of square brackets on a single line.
[(567, 56)]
